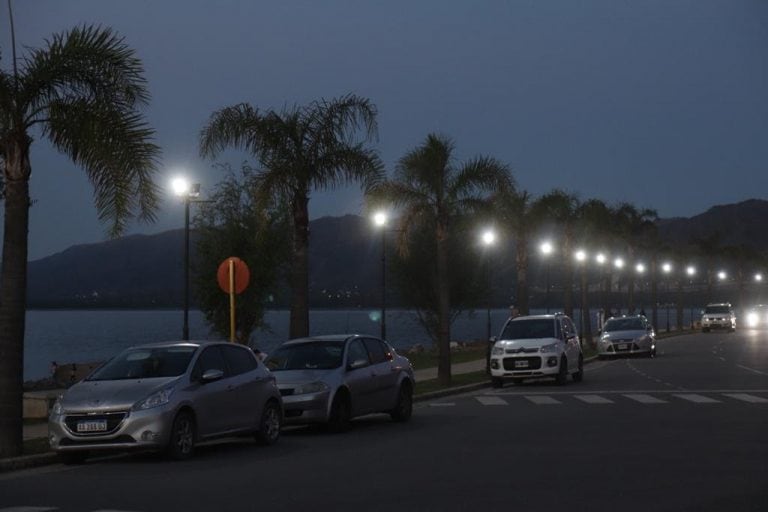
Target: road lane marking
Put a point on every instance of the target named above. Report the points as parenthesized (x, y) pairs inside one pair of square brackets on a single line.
[(751, 369), (625, 391), (698, 399), (747, 398), (28, 509), (542, 400), (442, 404), (593, 399), (491, 400), (645, 399)]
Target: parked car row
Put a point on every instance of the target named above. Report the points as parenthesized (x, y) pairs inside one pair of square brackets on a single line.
[(171, 396)]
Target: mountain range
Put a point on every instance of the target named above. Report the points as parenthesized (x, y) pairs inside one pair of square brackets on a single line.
[(146, 271)]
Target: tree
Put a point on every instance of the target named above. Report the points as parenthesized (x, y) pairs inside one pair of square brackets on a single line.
[(433, 192), (635, 227), (82, 91), (300, 149), (238, 223)]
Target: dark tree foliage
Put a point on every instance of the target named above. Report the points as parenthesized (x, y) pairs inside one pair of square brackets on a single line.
[(239, 223)]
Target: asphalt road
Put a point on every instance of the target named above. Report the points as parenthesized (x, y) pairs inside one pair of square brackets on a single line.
[(685, 431)]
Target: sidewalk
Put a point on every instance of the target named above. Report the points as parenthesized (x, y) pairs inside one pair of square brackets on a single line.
[(456, 369)]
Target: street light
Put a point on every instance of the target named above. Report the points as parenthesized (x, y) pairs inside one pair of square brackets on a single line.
[(619, 264), (380, 221), (601, 259), (667, 268), (188, 193), (722, 276), (586, 327), (547, 249), (489, 238), (691, 271)]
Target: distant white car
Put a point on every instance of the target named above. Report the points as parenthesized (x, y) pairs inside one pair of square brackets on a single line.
[(627, 335), (537, 346), (718, 316)]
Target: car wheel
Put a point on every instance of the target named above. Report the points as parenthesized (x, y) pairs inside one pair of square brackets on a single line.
[(517, 381), (182, 443), (341, 414), (497, 382), (705, 329), (404, 408), (579, 375), (269, 426), (73, 458), (562, 375)]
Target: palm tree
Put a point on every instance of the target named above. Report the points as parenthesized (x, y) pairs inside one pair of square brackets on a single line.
[(82, 92), (560, 207), (301, 149), (432, 191), (635, 227)]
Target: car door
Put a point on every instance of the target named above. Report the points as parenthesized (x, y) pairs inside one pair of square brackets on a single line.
[(211, 399), (245, 387), (571, 343), (358, 378), (383, 375)]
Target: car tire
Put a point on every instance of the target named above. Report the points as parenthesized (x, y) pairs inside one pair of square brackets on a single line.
[(562, 375), (269, 425), (73, 458), (404, 408), (579, 375), (497, 382), (341, 414), (517, 381), (705, 329), (181, 445)]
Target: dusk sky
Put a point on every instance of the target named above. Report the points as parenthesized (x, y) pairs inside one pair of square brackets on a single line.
[(661, 103)]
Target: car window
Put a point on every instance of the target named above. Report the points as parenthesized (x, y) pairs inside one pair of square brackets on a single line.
[(624, 324), (210, 359), (146, 363), (314, 355), (376, 351), (533, 328), (717, 310), (568, 326), (356, 352), (239, 360)]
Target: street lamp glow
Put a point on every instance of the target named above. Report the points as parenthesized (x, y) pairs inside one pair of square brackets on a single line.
[(691, 270), (722, 275), (546, 248), (601, 258), (667, 268), (380, 219), (180, 186), (640, 268), (489, 237), (758, 277), (581, 256), (618, 263)]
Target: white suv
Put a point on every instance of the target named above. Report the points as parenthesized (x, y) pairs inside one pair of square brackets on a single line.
[(537, 346), (718, 316)]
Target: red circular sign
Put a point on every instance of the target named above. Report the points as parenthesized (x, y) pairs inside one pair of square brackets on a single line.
[(241, 277)]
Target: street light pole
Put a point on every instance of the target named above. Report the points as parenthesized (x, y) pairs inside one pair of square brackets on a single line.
[(691, 271), (185, 328), (383, 284), (546, 250), (667, 268)]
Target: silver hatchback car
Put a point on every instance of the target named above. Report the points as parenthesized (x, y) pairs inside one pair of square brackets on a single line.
[(167, 396), (627, 335), (331, 379)]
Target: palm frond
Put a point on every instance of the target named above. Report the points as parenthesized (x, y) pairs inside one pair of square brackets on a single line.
[(339, 120), (89, 63), (114, 145), (479, 175), (230, 127), (347, 164)]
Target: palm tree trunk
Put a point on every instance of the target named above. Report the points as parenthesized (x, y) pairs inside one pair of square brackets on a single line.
[(631, 283), (299, 323), (13, 297), (586, 321), (654, 294), (679, 305), (568, 279), (444, 307), (521, 262)]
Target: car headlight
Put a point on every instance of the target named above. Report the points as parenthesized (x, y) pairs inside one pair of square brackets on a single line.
[(752, 319), (497, 351), (156, 399), (551, 348), (312, 387), (57, 408)]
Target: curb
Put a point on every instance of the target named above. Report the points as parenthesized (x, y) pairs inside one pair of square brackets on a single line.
[(28, 461)]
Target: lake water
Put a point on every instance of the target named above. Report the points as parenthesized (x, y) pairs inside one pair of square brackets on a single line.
[(80, 336)]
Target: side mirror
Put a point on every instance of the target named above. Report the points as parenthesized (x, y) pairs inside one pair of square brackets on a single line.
[(211, 376), (492, 339), (357, 364)]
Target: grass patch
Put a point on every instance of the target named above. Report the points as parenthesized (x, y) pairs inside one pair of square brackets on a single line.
[(462, 379), (429, 358), (35, 446)]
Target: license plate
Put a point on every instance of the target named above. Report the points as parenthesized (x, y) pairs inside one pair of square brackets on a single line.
[(521, 364), (92, 426), (623, 346)]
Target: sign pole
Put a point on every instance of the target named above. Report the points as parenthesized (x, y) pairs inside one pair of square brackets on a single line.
[(231, 300)]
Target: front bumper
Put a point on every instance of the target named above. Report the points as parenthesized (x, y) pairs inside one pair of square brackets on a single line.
[(624, 347), (306, 408), (143, 430), (522, 366), (717, 324)]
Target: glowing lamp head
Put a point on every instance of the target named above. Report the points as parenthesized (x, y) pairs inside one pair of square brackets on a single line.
[(667, 268), (601, 258), (581, 256), (380, 219), (546, 248), (758, 277), (489, 237), (691, 271), (180, 186), (722, 275), (640, 268), (618, 263)]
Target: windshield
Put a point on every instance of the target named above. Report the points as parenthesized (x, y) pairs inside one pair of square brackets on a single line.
[(323, 355), (624, 324), (718, 310), (146, 363), (527, 329)]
